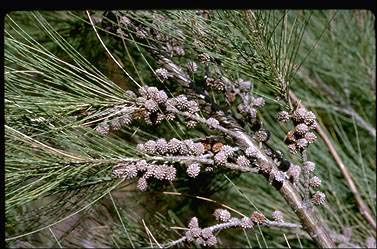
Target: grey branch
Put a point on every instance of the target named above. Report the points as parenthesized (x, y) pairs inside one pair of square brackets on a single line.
[(307, 216), (237, 223), (200, 159)]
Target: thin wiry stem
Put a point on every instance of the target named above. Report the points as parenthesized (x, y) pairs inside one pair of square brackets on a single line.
[(150, 234), (121, 220), (33, 141), (205, 199), (351, 112), (107, 51)]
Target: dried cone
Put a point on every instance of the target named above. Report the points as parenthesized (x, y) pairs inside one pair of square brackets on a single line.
[(258, 217)]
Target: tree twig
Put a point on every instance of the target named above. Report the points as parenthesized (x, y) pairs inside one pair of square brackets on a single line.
[(237, 223), (310, 221), (363, 208), (202, 159), (312, 225)]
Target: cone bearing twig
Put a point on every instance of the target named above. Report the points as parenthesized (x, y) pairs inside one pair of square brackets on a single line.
[(308, 218), (363, 208), (230, 224), (311, 223)]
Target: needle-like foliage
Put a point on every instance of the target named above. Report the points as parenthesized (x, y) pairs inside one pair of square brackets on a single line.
[(90, 95)]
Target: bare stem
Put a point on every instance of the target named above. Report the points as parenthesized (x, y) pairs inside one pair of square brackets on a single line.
[(306, 179)]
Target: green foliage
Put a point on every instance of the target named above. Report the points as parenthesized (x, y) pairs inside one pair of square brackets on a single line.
[(59, 81)]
